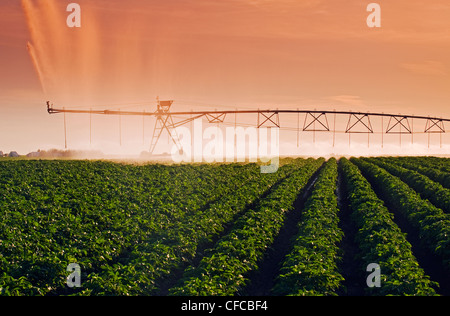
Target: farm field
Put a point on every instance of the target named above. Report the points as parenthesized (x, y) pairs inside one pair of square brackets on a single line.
[(312, 228)]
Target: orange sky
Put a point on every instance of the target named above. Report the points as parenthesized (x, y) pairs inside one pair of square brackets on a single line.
[(229, 53)]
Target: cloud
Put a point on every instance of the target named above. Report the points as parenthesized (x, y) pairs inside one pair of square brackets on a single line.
[(427, 68)]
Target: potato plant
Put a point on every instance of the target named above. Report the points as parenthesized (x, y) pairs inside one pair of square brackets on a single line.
[(311, 267), (224, 271), (381, 241), (200, 229), (432, 223)]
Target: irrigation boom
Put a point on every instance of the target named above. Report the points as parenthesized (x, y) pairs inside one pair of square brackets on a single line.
[(315, 120), (52, 110)]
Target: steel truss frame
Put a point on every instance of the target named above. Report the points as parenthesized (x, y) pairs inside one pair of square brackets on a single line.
[(315, 121)]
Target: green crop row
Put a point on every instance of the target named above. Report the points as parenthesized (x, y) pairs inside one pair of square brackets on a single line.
[(381, 241), (150, 263), (441, 164), (134, 229), (224, 270), (432, 223), (427, 188), (55, 213), (311, 267), (412, 163)]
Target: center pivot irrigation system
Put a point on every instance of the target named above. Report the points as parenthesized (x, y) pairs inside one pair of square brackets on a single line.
[(314, 121)]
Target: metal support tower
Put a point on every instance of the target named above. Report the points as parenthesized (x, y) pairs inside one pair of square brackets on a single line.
[(164, 121)]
